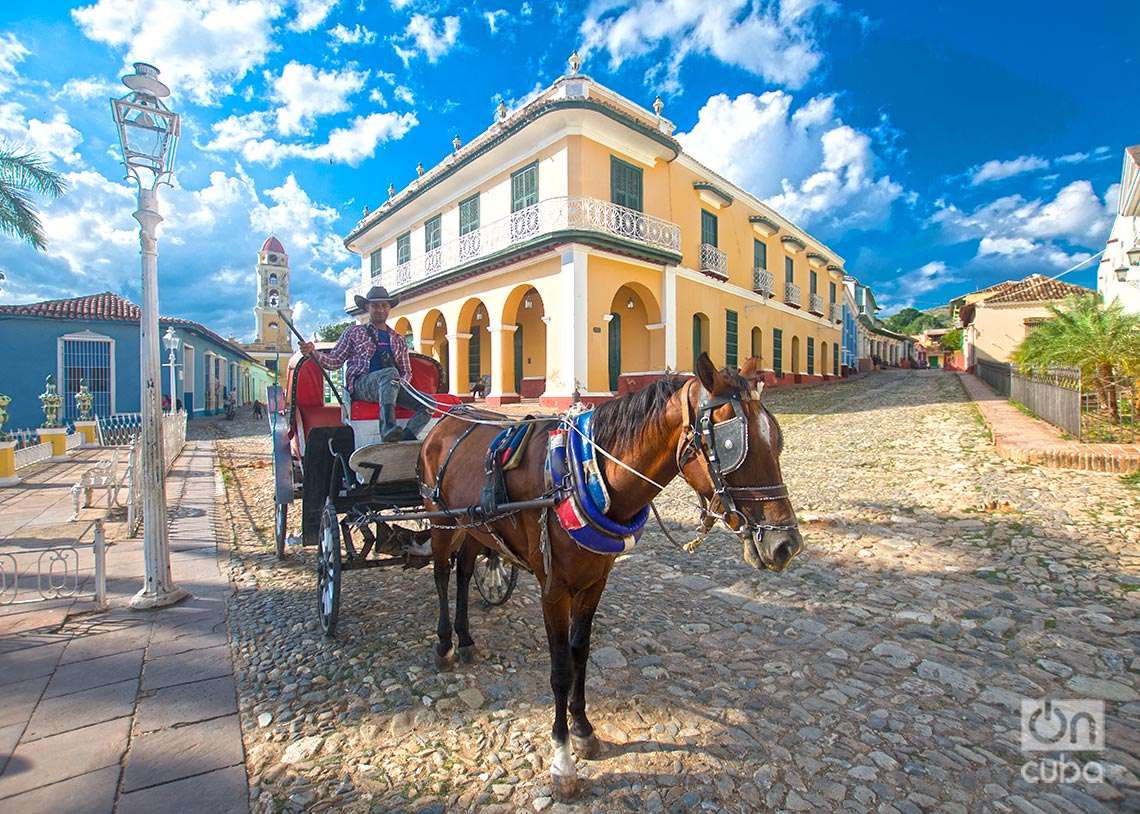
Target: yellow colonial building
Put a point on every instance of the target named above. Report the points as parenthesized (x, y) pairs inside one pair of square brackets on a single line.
[(573, 246)]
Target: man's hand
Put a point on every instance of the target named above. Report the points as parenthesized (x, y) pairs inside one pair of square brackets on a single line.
[(307, 348)]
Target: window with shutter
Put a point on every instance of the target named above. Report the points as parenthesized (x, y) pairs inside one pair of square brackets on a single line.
[(810, 356), (789, 270), (433, 231), (524, 187), (708, 227), (730, 338), (469, 215), (625, 184), (831, 292), (778, 351), (759, 254), (404, 248), (374, 263), (813, 282)]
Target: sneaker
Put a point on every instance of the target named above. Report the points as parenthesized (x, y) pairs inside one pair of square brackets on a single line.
[(422, 549)]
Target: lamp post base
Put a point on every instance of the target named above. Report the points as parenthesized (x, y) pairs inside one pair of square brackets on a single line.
[(148, 601)]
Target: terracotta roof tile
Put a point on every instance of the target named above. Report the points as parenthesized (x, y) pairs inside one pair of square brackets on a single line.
[(1036, 288)]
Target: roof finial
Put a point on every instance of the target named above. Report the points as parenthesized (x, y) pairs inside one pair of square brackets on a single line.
[(366, 211), (420, 169), (658, 106), (391, 191), (575, 63), (456, 143), (501, 111)]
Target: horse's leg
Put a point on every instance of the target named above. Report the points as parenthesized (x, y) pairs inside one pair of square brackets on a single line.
[(581, 623), (465, 567), (556, 614), (441, 567)]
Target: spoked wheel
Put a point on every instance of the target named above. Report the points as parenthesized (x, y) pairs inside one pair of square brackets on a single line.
[(281, 527), (495, 578), (328, 570)]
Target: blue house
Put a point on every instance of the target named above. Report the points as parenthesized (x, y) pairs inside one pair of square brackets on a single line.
[(96, 339)]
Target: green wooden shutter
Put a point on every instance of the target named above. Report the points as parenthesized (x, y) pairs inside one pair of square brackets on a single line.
[(469, 215), (625, 184), (757, 342), (474, 360), (708, 227), (759, 254), (778, 351), (696, 340), (835, 361), (374, 263), (730, 338), (831, 292), (813, 282), (789, 270), (404, 248), (524, 187), (433, 231), (518, 359), (810, 355), (614, 356)]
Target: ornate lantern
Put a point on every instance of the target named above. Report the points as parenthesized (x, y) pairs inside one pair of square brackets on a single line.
[(51, 401), (83, 400)]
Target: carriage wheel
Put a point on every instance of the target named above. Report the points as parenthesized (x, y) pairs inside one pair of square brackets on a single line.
[(328, 570), (281, 527), (494, 578)]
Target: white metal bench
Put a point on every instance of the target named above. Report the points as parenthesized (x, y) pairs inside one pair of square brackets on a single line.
[(100, 476)]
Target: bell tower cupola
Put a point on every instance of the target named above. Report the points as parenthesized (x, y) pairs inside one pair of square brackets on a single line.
[(273, 296)]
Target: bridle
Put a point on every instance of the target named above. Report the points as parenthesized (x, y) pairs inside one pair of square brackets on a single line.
[(724, 446)]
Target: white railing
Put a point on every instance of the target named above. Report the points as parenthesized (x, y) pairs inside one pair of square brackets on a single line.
[(55, 571), (792, 294), (24, 437), (543, 218), (762, 281), (74, 440), (836, 312), (119, 429), (32, 454), (815, 304), (714, 260), (173, 440)]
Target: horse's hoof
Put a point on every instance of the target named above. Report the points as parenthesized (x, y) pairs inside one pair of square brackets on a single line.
[(467, 654), (445, 662), (586, 748), (565, 787)]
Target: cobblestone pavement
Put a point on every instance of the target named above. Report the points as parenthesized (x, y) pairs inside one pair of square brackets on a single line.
[(883, 672)]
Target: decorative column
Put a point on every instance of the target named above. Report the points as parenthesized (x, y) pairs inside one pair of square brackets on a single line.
[(51, 432), (502, 365), (566, 337), (457, 350), (7, 448), (85, 425)]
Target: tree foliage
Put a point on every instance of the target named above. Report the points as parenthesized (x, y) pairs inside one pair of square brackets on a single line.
[(912, 321), (951, 340), (1103, 342), (23, 175), (332, 332)]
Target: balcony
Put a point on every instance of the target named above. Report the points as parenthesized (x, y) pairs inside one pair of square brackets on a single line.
[(836, 312), (713, 261), (815, 304), (762, 282), (792, 294), (548, 217)]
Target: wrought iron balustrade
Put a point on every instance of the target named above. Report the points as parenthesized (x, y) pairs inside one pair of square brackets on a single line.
[(713, 260), (815, 304), (792, 294), (836, 312), (763, 282)]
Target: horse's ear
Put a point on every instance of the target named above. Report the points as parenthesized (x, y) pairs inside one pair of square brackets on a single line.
[(707, 373), (749, 369)]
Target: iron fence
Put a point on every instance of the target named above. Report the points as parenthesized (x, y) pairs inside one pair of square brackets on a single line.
[(996, 375), (1109, 410), (1054, 396), (119, 429)]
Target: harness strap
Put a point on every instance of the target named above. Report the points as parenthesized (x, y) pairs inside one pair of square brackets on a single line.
[(436, 492)]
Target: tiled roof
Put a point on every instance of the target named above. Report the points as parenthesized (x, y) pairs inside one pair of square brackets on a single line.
[(109, 307), (272, 244), (1036, 288)]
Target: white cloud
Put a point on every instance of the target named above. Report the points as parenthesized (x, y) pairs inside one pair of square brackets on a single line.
[(205, 47), (774, 41), (311, 13), (1099, 154), (376, 95), (12, 52), (54, 138), (358, 35), (234, 131), (493, 17), (303, 93), (405, 95), (349, 145), (86, 89), (430, 37), (808, 164), (998, 170)]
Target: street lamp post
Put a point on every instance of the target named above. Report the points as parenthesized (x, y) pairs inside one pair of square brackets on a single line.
[(172, 342), (148, 133)]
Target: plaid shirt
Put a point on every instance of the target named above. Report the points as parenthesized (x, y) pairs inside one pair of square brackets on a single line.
[(356, 346)]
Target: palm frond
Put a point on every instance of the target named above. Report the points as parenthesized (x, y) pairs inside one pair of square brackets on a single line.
[(18, 217), (29, 171)]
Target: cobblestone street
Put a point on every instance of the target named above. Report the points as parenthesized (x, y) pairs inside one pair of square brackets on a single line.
[(883, 672)]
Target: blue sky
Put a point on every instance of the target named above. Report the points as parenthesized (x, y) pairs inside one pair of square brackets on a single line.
[(938, 146)]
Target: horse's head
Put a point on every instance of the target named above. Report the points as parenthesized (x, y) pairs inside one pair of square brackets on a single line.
[(729, 453)]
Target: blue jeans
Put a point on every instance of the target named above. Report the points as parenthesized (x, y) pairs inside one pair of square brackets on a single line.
[(383, 386)]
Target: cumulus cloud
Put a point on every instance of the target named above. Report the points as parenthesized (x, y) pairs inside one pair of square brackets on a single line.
[(493, 17), (909, 287), (12, 52), (53, 138), (997, 170), (303, 93), (88, 88), (775, 41), (311, 13), (357, 35), (205, 47), (428, 36), (806, 163), (349, 145)]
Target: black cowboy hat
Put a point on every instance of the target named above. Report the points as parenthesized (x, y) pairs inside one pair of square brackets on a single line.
[(377, 293)]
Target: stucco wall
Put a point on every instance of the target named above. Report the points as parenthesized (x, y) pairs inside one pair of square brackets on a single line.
[(999, 329)]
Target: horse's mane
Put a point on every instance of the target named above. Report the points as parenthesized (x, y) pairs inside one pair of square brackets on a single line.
[(620, 422)]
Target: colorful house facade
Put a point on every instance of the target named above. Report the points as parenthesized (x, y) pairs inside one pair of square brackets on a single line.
[(1118, 275), (573, 247), (96, 339)]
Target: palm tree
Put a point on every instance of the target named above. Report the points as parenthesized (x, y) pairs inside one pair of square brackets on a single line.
[(23, 174), (1102, 342)]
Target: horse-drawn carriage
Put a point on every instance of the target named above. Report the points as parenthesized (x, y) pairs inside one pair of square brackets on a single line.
[(360, 499)]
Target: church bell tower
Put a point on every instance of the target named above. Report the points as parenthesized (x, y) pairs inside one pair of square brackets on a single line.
[(273, 296)]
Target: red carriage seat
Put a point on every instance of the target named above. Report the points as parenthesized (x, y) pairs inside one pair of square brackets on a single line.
[(426, 377), (307, 387)]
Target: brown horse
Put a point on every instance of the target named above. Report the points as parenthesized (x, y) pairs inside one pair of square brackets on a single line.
[(661, 431)]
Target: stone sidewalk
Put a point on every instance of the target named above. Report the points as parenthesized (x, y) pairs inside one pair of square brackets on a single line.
[(1022, 438), (131, 711)]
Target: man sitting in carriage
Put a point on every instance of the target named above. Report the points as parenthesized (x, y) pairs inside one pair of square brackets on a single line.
[(378, 366)]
